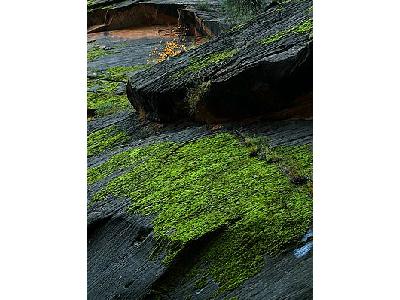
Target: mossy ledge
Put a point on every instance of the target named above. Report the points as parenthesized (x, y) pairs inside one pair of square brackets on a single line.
[(105, 139), (301, 28), (103, 97), (216, 182)]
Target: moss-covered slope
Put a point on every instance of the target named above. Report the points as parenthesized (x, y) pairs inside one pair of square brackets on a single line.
[(225, 182)]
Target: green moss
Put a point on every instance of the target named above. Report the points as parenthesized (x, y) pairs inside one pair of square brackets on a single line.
[(103, 90), (215, 183), (274, 38), (123, 161), (194, 95), (201, 282), (96, 52), (103, 86), (105, 139), (120, 73), (107, 104), (302, 28), (90, 3), (196, 65)]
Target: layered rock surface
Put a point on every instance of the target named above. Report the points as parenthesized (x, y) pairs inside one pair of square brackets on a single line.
[(198, 17), (127, 248), (260, 67)]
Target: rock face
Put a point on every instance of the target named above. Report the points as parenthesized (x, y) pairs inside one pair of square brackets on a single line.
[(120, 244), (199, 18), (259, 67)]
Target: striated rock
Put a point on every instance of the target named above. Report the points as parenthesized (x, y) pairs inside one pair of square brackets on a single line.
[(197, 17), (123, 253), (255, 68)]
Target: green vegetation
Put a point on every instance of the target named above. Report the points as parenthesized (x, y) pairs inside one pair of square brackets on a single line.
[(120, 73), (302, 28), (103, 86), (216, 182), (275, 37), (194, 95), (103, 97), (197, 65), (90, 2), (96, 52), (242, 10), (107, 104), (105, 139)]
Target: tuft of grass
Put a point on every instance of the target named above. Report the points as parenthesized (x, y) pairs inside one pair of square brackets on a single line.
[(105, 139), (214, 183)]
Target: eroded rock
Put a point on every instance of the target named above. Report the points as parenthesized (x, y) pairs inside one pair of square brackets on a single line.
[(260, 67)]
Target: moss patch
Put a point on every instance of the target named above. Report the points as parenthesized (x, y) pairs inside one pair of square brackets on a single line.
[(196, 65), (103, 91), (194, 95), (107, 104), (120, 73), (96, 52), (105, 139), (302, 28), (215, 182)]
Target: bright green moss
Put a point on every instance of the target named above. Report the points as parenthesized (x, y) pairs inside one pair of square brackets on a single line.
[(120, 73), (107, 104), (103, 86), (105, 139), (103, 94), (95, 52), (274, 38), (196, 65), (302, 28), (216, 182), (127, 159)]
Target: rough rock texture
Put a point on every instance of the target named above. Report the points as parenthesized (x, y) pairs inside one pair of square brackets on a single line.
[(120, 245), (120, 263), (259, 67), (197, 17)]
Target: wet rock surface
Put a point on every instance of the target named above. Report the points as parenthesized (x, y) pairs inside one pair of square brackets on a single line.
[(260, 67), (124, 257)]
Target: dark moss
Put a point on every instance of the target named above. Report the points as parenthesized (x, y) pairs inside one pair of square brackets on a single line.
[(214, 183), (195, 95)]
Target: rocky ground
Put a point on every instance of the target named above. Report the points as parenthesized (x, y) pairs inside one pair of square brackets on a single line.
[(199, 166)]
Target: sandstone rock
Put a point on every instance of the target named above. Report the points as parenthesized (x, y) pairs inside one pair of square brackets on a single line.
[(259, 67)]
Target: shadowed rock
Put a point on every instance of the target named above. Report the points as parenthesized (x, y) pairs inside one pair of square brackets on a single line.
[(256, 68)]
